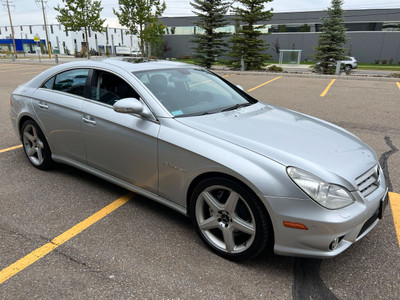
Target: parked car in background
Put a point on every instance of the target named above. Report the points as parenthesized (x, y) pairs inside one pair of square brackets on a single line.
[(249, 174), (350, 62)]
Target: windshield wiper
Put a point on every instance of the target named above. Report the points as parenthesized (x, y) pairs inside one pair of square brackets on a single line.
[(236, 106)]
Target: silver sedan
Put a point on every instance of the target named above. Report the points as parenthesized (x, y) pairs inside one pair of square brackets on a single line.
[(250, 175)]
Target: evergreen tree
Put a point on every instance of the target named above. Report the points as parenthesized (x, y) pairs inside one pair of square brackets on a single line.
[(209, 42), (141, 18), (78, 14), (247, 41), (331, 40)]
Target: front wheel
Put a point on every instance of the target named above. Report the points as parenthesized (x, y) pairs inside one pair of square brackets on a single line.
[(230, 219), (35, 145)]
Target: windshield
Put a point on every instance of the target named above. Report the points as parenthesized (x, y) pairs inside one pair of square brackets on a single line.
[(189, 91)]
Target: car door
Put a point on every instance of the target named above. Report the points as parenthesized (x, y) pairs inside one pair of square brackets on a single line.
[(119, 144), (58, 104)]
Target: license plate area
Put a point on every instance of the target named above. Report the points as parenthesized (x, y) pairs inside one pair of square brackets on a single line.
[(384, 203)]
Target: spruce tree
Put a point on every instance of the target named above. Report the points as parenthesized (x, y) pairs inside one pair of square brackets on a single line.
[(209, 42), (331, 40), (247, 41)]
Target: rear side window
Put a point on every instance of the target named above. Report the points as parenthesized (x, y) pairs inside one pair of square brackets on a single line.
[(49, 83), (72, 81)]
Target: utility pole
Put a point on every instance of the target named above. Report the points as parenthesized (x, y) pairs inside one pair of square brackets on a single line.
[(12, 29), (45, 30)]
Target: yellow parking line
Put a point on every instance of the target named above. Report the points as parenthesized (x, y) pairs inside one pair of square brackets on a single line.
[(194, 84), (395, 206), (37, 254), (327, 88), (256, 87), (398, 84), (11, 148), (229, 75)]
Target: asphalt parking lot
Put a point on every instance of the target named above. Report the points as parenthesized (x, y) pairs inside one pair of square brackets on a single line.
[(144, 250)]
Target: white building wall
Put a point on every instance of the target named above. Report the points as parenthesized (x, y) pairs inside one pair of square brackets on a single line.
[(62, 40)]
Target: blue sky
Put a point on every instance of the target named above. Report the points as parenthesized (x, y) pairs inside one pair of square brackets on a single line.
[(28, 12)]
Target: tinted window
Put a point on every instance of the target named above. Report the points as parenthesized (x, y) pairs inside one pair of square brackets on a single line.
[(49, 83), (72, 81), (109, 88)]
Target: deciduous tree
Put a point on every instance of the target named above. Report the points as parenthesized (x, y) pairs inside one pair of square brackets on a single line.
[(141, 18), (78, 14)]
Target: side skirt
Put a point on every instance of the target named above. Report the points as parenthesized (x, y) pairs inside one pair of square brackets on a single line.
[(119, 182)]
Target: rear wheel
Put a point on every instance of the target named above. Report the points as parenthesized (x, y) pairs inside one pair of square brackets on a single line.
[(230, 219), (35, 145)]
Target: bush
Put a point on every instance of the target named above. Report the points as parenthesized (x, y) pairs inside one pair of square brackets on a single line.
[(396, 75), (384, 61), (391, 61), (377, 61), (275, 68)]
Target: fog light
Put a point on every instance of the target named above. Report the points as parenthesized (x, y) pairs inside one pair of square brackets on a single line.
[(334, 243)]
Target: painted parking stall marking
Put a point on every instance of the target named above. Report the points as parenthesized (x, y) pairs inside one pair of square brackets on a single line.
[(11, 148), (37, 254), (395, 206), (327, 88), (258, 86), (398, 84)]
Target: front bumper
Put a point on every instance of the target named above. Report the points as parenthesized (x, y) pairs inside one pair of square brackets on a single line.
[(348, 224)]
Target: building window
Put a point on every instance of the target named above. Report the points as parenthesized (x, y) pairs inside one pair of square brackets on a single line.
[(22, 29), (30, 29), (122, 37), (66, 32), (390, 26), (83, 36), (59, 27), (0, 30), (89, 32), (51, 29), (107, 37), (115, 30), (5, 27), (95, 36)]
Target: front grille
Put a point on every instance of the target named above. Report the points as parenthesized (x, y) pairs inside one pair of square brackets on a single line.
[(369, 181)]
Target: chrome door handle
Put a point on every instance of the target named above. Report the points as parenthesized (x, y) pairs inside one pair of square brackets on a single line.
[(43, 105), (88, 120)]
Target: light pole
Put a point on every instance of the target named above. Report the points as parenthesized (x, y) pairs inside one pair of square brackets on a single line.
[(45, 30), (12, 29)]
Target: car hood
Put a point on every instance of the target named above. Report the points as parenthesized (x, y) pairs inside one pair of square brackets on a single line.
[(291, 139)]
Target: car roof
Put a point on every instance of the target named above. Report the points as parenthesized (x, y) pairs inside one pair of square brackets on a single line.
[(134, 64), (129, 64), (119, 65)]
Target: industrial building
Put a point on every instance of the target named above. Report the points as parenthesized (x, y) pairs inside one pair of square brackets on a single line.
[(63, 41), (373, 34)]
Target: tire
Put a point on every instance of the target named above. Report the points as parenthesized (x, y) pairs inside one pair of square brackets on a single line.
[(35, 145), (230, 219)]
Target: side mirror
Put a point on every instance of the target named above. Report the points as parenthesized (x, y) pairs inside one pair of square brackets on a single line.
[(240, 87), (131, 106)]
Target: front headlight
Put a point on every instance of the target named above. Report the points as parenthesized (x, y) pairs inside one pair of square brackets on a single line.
[(326, 194)]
